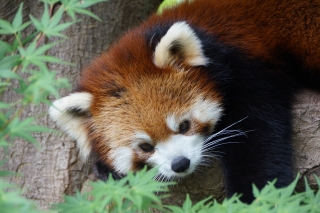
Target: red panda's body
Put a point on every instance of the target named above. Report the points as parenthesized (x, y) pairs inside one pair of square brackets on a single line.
[(167, 92), (260, 28)]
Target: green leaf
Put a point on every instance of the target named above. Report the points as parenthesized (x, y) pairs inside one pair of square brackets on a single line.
[(37, 23), (5, 32), (3, 143), (73, 6), (23, 26), (56, 17), (36, 56), (4, 49), (45, 19), (17, 21), (41, 84), (41, 50), (8, 74), (256, 192), (51, 27), (88, 3), (76, 204), (53, 60), (51, 2), (6, 27), (201, 204), (289, 189), (4, 105), (86, 12), (31, 48), (10, 62), (6, 173), (187, 204), (15, 45), (24, 128), (4, 84), (71, 13), (11, 200), (55, 31), (168, 4)]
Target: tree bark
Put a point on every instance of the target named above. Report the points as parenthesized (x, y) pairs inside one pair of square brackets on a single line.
[(306, 136), (55, 169)]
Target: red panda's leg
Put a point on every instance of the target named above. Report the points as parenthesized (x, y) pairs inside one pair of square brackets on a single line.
[(259, 157), (264, 153)]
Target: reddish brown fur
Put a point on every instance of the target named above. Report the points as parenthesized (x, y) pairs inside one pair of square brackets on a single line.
[(133, 70), (260, 28)]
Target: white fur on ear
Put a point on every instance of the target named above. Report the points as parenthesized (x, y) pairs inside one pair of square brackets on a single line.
[(61, 113), (179, 44)]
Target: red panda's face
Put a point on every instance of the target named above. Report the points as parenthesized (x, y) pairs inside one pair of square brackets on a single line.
[(141, 107), (155, 120)]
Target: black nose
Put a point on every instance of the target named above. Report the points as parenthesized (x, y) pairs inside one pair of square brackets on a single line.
[(180, 164)]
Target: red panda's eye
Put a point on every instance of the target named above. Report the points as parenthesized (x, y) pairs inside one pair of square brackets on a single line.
[(184, 127), (146, 147)]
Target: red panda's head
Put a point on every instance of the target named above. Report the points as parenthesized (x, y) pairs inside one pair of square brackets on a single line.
[(145, 102)]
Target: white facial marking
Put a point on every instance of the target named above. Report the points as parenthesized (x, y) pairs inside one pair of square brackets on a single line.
[(176, 146), (181, 145), (206, 111), (202, 111), (73, 125), (183, 35), (140, 137), (172, 123), (122, 159)]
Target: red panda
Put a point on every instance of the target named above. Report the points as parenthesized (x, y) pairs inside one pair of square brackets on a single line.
[(203, 76)]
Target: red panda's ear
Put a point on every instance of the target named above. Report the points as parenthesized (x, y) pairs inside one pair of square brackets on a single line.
[(179, 45), (71, 113)]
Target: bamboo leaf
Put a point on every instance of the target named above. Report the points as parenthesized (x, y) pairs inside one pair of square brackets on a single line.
[(86, 12), (4, 105), (45, 19), (9, 74), (37, 23), (23, 26), (17, 21), (4, 49), (9, 62), (57, 17), (6, 27)]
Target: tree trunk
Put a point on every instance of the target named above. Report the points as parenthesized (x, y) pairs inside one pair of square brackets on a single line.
[(55, 169), (306, 140)]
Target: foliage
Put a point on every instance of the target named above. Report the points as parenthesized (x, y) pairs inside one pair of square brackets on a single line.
[(11, 200), (269, 199), (167, 4), (133, 193), (137, 193), (24, 70), (24, 65)]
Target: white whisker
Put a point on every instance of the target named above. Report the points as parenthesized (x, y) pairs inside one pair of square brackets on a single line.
[(209, 155), (225, 129)]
